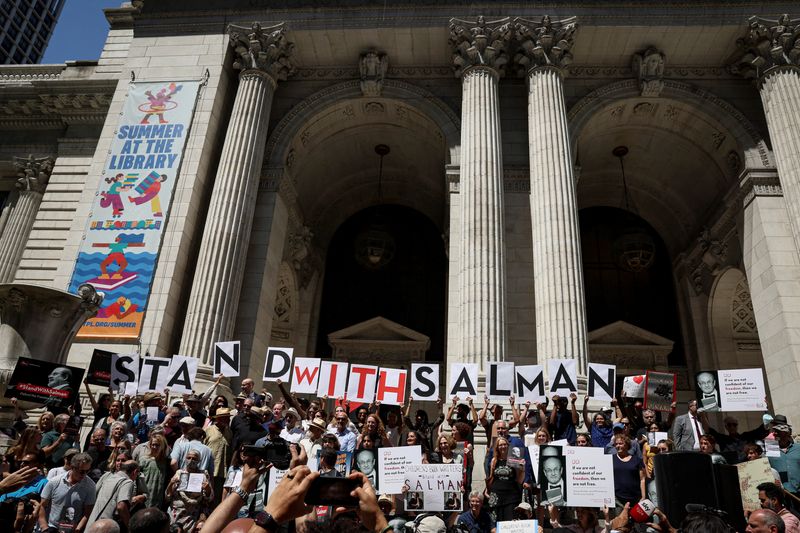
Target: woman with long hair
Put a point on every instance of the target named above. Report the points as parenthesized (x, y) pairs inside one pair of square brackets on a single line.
[(28, 443), (373, 426), (45, 422), (154, 466), (415, 438), (542, 436), (504, 484)]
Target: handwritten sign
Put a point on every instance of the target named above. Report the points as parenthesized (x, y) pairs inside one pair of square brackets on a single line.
[(751, 475), (434, 487)]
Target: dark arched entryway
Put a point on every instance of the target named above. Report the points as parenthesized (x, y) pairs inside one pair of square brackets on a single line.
[(410, 289), (645, 299)]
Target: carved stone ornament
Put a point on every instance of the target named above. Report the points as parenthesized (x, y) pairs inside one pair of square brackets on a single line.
[(767, 44), (265, 49), (301, 256), (544, 43), (33, 173), (372, 66), (649, 68), (480, 43)]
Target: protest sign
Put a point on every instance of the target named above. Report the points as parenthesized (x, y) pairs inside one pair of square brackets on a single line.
[(500, 382), (424, 382), (278, 365), (332, 379), (633, 386), (392, 465), (742, 390), (600, 381), (124, 370), (334, 463), (154, 374), (99, 372), (366, 462), (707, 390), (182, 372), (227, 358), (590, 477), (563, 375), (463, 380), (660, 391), (751, 475), (361, 383), (771, 448), (517, 526), (191, 482), (530, 383), (654, 437), (43, 382), (234, 478), (305, 375), (434, 487), (391, 386), (152, 414), (551, 475), (275, 477)]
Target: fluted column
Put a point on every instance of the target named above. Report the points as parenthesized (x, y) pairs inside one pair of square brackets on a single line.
[(769, 54), (33, 177), (479, 59), (262, 54), (558, 270)]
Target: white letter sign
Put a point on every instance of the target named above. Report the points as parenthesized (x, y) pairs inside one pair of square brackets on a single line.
[(226, 359), (424, 381), (305, 375)]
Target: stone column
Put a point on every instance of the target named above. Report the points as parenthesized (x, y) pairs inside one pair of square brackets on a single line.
[(479, 59), (558, 270), (263, 56), (33, 177), (769, 54)]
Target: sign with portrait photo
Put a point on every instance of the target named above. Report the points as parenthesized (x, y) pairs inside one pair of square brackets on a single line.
[(552, 475), (707, 390), (434, 487), (366, 462), (50, 384)]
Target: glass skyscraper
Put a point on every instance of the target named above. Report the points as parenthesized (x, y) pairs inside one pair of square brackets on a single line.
[(25, 29)]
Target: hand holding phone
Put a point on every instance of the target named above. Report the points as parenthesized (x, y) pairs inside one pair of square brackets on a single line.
[(333, 491)]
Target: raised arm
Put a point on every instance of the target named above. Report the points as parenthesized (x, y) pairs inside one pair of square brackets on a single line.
[(482, 418), (586, 419), (514, 412), (292, 401), (472, 410), (211, 388), (573, 398), (92, 399)]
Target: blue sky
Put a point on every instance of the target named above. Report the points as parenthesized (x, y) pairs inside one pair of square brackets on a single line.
[(80, 32)]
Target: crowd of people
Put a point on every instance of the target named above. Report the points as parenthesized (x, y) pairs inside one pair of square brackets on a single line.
[(196, 463)]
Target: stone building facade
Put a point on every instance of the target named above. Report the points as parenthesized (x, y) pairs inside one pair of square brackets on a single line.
[(566, 181)]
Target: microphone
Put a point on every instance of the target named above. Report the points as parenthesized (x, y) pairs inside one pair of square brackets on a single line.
[(642, 511)]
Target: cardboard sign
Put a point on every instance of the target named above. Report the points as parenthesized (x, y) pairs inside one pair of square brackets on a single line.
[(518, 526), (50, 384), (742, 390), (99, 372), (500, 382), (424, 382), (660, 389), (552, 475), (590, 477), (191, 482), (751, 475), (182, 373), (530, 383), (633, 386), (463, 380), (391, 386), (434, 487), (332, 379), (361, 383), (600, 381), (278, 365), (707, 390), (392, 465), (563, 375), (305, 375), (275, 477), (227, 359), (154, 374), (124, 370)]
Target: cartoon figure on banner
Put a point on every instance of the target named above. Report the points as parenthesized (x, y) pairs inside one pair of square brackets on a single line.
[(117, 255), (148, 190), (121, 308), (111, 198), (159, 103)]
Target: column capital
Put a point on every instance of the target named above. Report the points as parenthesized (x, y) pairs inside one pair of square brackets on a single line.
[(480, 43), (262, 49), (544, 43), (33, 173), (767, 45)]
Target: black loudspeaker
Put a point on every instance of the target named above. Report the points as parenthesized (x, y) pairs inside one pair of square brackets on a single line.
[(729, 495), (681, 478)]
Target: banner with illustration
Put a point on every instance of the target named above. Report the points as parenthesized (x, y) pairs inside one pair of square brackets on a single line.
[(119, 251)]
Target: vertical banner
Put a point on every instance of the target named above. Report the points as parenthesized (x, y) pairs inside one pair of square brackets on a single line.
[(119, 250), (660, 390)]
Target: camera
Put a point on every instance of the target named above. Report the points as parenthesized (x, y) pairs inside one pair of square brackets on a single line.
[(276, 452), (334, 491)]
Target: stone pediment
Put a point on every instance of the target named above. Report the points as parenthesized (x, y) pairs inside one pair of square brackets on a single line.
[(378, 329), (623, 333)]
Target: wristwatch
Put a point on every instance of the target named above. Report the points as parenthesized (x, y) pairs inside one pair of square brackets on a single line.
[(265, 520), (243, 494)]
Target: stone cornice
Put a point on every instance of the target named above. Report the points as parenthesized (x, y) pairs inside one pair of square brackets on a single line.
[(760, 182), (16, 73), (51, 109)]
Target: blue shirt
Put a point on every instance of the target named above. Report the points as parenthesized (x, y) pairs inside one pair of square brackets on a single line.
[(482, 524), (143, 431), (34, 487), (601, 435), (788, 466), (347, 440)]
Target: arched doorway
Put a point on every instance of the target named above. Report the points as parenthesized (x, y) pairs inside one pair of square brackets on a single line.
[(409, 289)]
